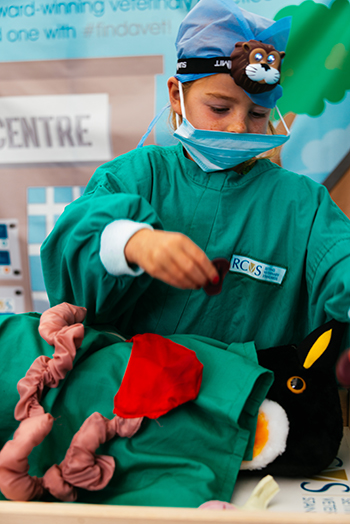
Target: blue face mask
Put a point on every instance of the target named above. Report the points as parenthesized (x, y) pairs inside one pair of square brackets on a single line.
[(218, 150)]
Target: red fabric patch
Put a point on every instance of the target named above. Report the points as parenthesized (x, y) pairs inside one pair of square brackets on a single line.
[(160, 376)]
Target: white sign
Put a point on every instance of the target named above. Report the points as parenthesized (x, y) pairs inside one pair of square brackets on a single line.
[(54, 128)]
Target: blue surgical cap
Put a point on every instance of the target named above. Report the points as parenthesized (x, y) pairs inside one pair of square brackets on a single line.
[(213, 27)]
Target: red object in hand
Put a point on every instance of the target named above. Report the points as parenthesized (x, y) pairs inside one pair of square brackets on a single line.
[(343, 369), (222, 266)]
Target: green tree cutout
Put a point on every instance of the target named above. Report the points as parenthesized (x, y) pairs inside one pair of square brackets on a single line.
[(317, 63)]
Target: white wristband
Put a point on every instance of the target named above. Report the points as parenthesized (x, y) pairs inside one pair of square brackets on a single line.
[(113, 241)]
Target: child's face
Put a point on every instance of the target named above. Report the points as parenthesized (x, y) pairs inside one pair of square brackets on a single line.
[(217, 103)]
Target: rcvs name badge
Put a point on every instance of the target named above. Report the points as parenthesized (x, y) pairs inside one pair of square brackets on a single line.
[(258, 270)]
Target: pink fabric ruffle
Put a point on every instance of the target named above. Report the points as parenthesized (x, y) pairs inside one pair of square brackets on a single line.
[(15, 483), (80, 467), (61, 327)]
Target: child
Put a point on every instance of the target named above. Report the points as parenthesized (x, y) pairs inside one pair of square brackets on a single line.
[(135, 249)]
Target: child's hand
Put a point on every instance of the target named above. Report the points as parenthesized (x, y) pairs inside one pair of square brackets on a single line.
[(170, 257)]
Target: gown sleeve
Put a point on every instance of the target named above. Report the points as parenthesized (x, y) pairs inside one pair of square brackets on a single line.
[(328, 265), (72, 267)]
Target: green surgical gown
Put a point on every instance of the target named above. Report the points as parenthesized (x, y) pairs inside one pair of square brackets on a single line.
[(286, 240)]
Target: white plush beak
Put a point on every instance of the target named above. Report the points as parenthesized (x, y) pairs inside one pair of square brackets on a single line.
[(271, 436)]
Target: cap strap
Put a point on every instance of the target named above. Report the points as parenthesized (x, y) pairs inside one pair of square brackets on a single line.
[(182, 103), (219, 64), (283, 121), (151, 126)]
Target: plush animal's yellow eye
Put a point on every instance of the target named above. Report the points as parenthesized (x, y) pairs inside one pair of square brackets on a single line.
[(296, 385)]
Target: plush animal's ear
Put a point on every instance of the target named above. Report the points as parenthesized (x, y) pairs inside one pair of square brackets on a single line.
[(321, 348)]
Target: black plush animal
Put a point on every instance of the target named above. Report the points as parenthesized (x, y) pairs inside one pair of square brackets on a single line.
[(306, 388)]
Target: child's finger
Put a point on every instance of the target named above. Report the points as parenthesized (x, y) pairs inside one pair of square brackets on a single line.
[(202, 264), (175, 268), (185, 272), (177, 278)]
